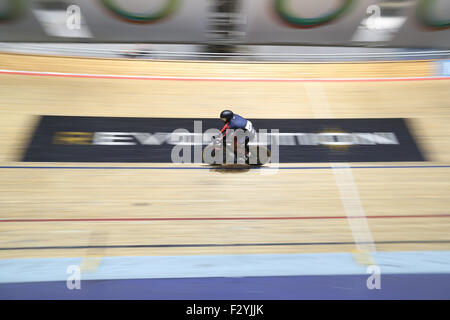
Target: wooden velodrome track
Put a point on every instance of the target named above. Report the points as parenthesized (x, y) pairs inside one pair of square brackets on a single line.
[(390, 197)]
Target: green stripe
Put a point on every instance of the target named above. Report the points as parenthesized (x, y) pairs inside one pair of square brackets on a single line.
[(168, 9), (283, 12), (425, 16), (14, 9)]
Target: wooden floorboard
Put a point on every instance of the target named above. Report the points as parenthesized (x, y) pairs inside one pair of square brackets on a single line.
[(109, 194)]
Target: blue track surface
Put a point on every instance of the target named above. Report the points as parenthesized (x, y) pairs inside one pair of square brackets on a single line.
[(400, 286), (403, 275)]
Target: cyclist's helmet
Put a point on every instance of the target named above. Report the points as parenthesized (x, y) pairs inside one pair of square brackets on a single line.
[(226, 115)]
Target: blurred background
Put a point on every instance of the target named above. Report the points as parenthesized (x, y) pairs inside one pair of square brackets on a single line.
[(356, 206)]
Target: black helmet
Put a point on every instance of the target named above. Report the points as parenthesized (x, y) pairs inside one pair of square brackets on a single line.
[(226, 115)]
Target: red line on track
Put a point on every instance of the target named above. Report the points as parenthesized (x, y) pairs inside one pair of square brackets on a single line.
[(104, 76), (227, 218)]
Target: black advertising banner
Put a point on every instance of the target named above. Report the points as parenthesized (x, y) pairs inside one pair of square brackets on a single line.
[(114, 139)]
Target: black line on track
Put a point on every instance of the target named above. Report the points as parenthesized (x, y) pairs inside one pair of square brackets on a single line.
[(225, 245)]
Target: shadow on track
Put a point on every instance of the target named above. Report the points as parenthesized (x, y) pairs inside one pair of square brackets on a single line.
[(233, 168)]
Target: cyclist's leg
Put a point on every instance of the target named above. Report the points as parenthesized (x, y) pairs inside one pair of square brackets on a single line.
[(249, 138)]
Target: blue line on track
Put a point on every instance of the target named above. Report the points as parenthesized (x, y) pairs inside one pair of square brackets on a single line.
[(222, 168)]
